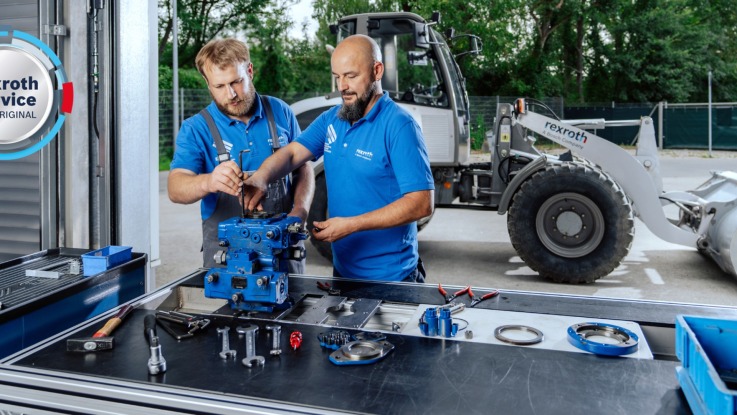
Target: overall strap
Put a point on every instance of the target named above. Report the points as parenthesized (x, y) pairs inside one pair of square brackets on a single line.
[(223, 154), (275, 145)]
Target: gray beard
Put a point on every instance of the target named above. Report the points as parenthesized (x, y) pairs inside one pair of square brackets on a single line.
[(354, 112)]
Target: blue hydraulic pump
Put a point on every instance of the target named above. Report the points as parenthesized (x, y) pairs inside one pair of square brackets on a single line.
[(253, 271)]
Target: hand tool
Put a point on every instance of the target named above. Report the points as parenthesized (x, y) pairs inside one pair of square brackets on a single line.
[(325, 286), (251, 358), (295, 339), (244, 209), (226, 351), (192, 324), (101, 340), (451, 297), (156, 363), (486, 296), (275, 339)]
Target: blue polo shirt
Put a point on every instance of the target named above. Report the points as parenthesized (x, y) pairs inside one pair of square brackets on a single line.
[(369, 165), (196, 151)]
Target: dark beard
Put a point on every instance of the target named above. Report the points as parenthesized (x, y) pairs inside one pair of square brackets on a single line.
[(354, 112)]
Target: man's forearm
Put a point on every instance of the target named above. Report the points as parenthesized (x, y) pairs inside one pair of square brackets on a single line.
[(304, 189), (278, 165), (407, 209), (186, 187)]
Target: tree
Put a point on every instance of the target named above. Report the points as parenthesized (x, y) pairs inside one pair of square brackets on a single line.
[(203, 20)]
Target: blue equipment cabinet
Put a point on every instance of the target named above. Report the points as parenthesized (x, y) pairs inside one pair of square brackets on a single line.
[(33, 308)]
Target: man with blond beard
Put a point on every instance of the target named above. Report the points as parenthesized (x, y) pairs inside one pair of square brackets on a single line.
[(205, 166)]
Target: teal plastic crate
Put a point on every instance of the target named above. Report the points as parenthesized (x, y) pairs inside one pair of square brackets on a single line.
[(707, 349), (105, 258)]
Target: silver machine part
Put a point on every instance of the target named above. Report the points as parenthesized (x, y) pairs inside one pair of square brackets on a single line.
[(250, 332), (499, 334), (156, 363), (226, 351), (275, 339)]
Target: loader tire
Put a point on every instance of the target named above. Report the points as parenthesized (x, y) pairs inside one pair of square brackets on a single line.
[(571, 223), (319, 212)]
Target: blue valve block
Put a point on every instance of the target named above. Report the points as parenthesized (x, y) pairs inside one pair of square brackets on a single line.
[(255, 253)]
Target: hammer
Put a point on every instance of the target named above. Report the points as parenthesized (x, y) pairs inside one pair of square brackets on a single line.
[(101, 340)]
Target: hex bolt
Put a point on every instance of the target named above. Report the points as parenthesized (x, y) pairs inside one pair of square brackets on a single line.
[(250, 332), (226, 351), (275, 339), (237, 297)]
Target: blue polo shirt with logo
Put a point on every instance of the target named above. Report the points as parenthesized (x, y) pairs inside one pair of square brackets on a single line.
[(196, 151), (369, 165)]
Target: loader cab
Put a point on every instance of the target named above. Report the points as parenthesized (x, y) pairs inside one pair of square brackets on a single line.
[(421, 75)]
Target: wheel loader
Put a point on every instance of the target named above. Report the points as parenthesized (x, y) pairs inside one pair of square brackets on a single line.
[(570, 216)]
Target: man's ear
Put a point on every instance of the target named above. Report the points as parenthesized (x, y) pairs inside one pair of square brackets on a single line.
[(378, 70)]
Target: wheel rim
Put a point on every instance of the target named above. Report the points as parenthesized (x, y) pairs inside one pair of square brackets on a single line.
[(570, 225)]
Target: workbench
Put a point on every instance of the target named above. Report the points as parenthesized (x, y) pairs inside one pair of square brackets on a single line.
[(421, 375)]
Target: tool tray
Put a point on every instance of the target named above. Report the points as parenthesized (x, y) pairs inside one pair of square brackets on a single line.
[(105, 258)]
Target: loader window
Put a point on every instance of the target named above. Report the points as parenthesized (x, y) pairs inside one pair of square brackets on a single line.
[(419, 79)]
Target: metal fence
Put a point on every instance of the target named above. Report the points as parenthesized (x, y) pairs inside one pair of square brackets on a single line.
[(683, 125), (191, 101)]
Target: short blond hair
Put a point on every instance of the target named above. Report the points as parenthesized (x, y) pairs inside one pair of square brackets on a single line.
[(221, 53)]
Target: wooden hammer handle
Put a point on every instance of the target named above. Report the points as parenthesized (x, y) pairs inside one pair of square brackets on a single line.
[(114, 322)]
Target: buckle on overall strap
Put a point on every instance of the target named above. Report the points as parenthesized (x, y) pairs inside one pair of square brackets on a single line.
[(223, 157)]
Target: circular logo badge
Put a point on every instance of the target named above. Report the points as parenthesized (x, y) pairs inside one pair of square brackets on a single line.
[(34, 95)]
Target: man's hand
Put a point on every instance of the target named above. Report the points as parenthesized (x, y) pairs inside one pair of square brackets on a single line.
[(301, 213), (255, 190), (225, 178), (333, 229)]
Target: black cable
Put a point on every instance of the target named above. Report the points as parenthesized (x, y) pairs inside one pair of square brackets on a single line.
[(542, 104)]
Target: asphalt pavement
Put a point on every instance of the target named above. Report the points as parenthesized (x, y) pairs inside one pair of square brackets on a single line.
[(462, 247)]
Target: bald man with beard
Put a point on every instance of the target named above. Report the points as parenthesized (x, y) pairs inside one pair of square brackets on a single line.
[(376, 168)]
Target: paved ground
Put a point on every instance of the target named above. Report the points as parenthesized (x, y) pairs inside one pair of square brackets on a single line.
[(463, 247)]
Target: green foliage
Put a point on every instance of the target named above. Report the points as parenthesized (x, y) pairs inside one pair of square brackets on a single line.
[(165, 156), (584, 51), (188, 78), (478, 133)]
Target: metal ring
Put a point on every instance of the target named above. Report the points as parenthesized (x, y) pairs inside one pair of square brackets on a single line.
[(361, 352), (578, 335), (499, 330)]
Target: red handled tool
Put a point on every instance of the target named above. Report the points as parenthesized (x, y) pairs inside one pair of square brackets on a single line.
[(451, 297), (486, 296), (295, 339)]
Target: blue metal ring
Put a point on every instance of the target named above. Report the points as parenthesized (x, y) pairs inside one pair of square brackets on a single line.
[(627, 340)]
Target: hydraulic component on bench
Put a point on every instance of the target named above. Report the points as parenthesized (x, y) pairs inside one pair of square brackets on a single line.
[(256, 251), (438, 321)]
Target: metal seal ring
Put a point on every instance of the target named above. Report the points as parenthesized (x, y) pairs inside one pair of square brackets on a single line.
[(361, 352), (518, 327), (627, 341)]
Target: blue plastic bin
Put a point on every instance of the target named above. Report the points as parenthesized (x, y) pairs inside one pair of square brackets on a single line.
[(707, 349), (105, 258)]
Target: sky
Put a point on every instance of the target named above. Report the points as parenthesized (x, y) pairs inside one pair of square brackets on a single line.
[(300, 12)]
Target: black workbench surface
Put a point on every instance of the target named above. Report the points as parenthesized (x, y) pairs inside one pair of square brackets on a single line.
[(422, 375)]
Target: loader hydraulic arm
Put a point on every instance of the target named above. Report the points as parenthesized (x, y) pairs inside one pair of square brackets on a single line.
[(624, 168)]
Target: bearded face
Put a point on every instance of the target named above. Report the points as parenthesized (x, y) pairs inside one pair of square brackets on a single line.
[(354, 105), (232, 89)]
